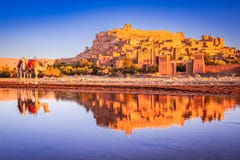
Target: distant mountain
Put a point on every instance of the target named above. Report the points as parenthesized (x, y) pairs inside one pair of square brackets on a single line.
[(12, 62)]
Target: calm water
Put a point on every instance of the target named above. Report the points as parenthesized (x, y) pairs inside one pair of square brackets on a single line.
[(65, 125)]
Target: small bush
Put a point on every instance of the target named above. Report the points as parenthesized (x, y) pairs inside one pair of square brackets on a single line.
[(52, 72)]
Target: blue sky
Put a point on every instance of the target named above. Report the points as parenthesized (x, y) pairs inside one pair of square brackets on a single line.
[(63, 28)]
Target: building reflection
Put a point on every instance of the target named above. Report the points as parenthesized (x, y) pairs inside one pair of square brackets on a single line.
[(28, 101), (128, 112)]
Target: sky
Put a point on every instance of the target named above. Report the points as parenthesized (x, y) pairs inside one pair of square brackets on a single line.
[(63, 28)]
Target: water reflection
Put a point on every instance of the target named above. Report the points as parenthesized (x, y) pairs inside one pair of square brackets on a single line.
[(132, 111), (128, 112), (83, 126), (28, 100)]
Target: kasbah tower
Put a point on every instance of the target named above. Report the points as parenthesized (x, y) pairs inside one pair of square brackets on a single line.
[(161, 48)]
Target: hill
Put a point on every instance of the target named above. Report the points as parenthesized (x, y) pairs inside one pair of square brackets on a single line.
[(110, 48)]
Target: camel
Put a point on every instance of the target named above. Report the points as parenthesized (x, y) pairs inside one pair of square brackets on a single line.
[(21, 69), (34, 67), (27, 68), (27, 101)]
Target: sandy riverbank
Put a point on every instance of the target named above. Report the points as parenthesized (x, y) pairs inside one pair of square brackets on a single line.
[(214, 85)]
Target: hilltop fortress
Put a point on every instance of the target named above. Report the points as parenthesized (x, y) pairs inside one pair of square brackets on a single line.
[(148, 48)]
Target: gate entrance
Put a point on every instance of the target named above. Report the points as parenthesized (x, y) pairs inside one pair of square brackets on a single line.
[(167, 67)]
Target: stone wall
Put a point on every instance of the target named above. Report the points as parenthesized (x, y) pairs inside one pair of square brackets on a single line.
[(222, 68)]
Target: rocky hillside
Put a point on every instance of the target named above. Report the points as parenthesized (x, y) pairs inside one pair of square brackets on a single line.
[(120, 38)]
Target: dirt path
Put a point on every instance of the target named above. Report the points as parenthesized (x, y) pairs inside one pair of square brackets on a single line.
[(222, 85)]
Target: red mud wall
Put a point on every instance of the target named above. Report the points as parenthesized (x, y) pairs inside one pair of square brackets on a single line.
[(220, 68), (198, 63)]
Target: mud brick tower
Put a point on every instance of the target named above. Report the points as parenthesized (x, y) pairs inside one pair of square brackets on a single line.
[(198, 63), (164, 67)]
